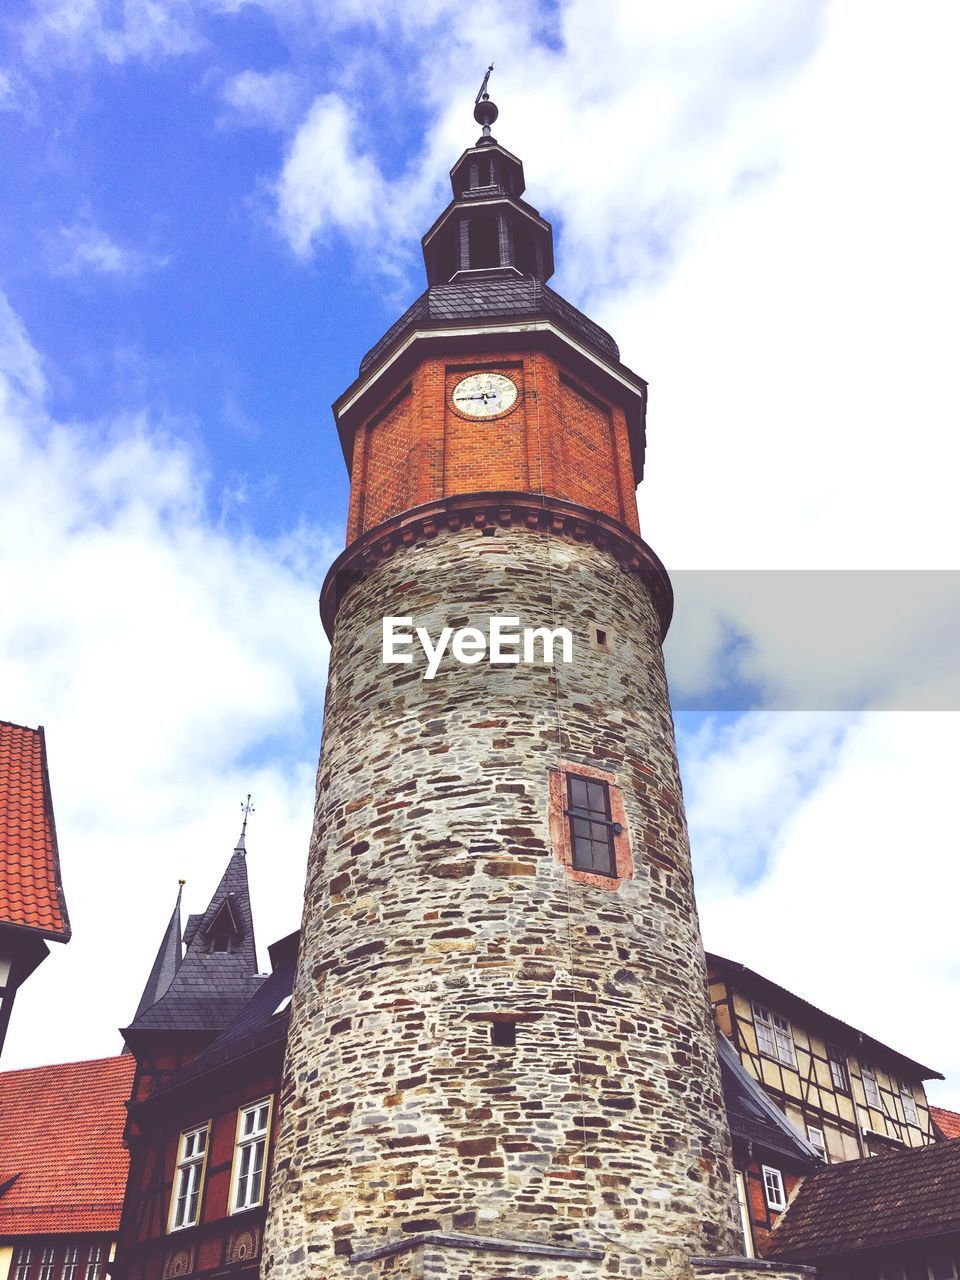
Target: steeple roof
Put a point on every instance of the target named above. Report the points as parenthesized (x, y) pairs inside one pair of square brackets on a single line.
[(218, 972), (166, 964)]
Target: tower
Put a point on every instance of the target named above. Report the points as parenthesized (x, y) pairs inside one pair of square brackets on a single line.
[(500, 1060)]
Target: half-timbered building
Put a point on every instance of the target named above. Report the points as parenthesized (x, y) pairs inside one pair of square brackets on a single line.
[(848, 1094), (33, 909)]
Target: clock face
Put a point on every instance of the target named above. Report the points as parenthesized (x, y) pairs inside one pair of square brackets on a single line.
[(485, 395)]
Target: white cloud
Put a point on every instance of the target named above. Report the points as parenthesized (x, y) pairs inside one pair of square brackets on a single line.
[(262, 99), (84, 248), (80, 31), (167, 659)]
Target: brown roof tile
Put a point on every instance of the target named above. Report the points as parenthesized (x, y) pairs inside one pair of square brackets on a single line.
[(865, 1204), (61, 1131), (31, 895)]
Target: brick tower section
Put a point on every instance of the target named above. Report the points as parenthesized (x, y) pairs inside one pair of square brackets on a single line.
[(500, 1064)]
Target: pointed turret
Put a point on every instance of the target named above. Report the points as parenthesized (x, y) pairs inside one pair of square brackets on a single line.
[(218, 972), (165, 966)]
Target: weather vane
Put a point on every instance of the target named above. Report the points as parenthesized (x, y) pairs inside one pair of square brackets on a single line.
[(247, 808), (483, 88), (484, 111)]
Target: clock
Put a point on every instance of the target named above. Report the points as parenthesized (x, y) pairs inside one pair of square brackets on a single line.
[(485, 395)]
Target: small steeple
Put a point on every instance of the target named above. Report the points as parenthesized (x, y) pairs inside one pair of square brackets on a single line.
[(167, 963)]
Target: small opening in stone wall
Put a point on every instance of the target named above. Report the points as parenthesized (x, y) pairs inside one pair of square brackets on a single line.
[(601, 637), (488, 530), (503, 1033)]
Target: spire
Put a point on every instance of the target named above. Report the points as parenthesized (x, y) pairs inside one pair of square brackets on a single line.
[(485, 112), (218, 972), (167, 962)]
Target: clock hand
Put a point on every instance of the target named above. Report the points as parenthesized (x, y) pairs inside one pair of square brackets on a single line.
[(480, 396)]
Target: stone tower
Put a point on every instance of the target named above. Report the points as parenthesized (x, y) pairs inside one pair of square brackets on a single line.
[(501, 1061)]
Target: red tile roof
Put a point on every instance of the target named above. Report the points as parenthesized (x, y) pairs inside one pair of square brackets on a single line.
[(61, 1130), (947, 1122), (31, 894)]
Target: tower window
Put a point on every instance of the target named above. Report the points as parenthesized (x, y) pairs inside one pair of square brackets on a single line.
[(444, 260), (525, 252), (591, 828), (220, 942), (484, 177), (503, 1033), (484, 243)]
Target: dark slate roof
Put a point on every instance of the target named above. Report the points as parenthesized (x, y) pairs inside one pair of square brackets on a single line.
[(490, 299), (753, 1118), (257, 1025), (210, 988), (165, 965), (866, 1204), (846, 1037)]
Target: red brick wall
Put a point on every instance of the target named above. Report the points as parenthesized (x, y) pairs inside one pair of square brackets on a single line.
[(564, 438)]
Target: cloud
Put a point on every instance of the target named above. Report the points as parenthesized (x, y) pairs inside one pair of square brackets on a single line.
[(262, 99), (175, 664), (83, 248), (80, 31)]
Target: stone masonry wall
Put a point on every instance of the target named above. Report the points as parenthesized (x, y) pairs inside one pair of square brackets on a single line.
[(434, 902)]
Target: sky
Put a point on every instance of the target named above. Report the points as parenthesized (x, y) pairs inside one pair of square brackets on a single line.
[(212, 208)]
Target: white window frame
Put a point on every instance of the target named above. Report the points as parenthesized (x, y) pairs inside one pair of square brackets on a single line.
[(48, 1259), (819, 1143), (911, 1113), (774, 1035), (188, 1179), (839, 1067), (71, 1262), (95, 1263), (252, 1144), (871, 1087), (774, 1191), (23, 1264), (950, 1262), (744, 1206)]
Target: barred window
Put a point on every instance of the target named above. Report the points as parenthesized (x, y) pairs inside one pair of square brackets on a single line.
[(591, 830)]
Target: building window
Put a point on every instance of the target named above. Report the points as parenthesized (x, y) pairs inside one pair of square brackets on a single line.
[(22, 1271), (484, 242), (71, 1258), (892, 1273), (774, 1035), (742, 1205), (871, 1090), (95, 1262), (838, 1068), (908, 1102), (942, 1267), (191, 1157), (45, 1269), (816, 1140), (249, 1158), (773, 1188), (591, 826)]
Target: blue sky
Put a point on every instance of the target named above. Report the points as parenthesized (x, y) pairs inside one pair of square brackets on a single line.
[(212, 208)]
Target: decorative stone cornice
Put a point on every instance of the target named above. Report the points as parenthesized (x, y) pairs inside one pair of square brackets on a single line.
[(536, 512)]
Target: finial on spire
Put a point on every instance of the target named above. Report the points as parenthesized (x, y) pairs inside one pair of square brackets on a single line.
[(485, 112), (247, 808)]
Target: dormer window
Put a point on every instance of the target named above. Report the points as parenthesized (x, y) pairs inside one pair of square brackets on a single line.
[(220, 942)]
